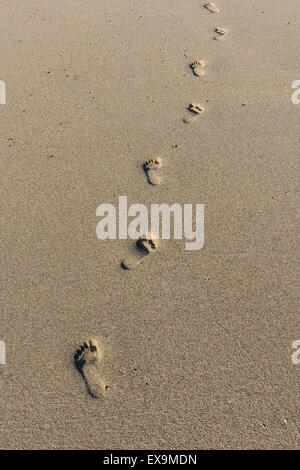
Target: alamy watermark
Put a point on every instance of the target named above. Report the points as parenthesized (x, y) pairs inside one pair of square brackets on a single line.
[(2, 353), (186, 223), (296, 353), (296, 94), (2, 92)]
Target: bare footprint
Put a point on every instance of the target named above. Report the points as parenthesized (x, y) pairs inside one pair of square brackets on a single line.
[(151, 166), (145, 246), (197, 67), (211, 7), (87, 359), (147, 243), (195, 110), (221, 32)]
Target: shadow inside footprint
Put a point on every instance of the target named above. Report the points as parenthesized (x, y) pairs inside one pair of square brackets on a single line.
[(211, 7), (195, 110), (151, 166), (87, 358), (197, 68), (220, 33), (145, 245)]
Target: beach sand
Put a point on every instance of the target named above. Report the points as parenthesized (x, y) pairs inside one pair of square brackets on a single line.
[(195, 346)]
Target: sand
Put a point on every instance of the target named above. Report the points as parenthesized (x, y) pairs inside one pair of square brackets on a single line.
[(196, 346)]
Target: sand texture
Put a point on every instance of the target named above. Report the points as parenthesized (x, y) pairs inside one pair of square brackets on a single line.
[(191, 349)]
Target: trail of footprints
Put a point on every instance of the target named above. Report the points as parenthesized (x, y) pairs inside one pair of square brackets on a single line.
[(88, 357)]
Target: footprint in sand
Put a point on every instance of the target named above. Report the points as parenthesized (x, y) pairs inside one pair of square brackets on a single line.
[(197, 67), (145, 246), (151, 166), (221, 32), (211, 7), (87, 359), (195, 110)]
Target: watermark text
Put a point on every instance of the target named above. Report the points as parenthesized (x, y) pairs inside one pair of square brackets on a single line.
[(188, 222), (2, 92)]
